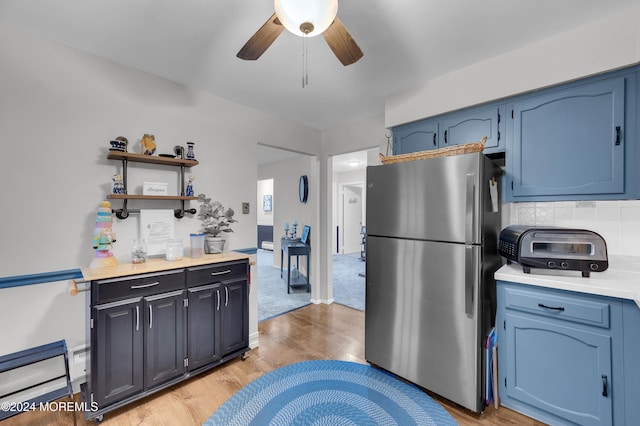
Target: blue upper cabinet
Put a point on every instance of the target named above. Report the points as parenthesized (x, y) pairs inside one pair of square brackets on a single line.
[(569, 144), (461, 127), (471, 126), (415, 137), (574, 141)]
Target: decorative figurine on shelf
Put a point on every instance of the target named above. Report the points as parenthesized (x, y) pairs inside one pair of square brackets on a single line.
[(148, 144), (103, 238), (118, 185), (124, 140), (119, 144), (190, 154), (179, 151), (189, 191)]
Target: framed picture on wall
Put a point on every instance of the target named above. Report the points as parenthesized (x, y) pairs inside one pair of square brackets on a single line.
[(305, 234), (267, 203)]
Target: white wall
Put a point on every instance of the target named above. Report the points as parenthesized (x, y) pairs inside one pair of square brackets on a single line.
[(601, 46), (58, 110)]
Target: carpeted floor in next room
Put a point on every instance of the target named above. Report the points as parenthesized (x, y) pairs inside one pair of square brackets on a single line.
[(273, 300)]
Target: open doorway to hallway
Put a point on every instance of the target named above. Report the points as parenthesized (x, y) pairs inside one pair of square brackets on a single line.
[(349, 226), (278, 203)]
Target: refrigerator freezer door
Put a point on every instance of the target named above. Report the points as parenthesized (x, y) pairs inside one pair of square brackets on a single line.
[(438, 199), (421, 319)]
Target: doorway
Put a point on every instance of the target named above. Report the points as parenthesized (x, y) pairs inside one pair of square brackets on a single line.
[(351, 214), (277, 204), (349, 204)]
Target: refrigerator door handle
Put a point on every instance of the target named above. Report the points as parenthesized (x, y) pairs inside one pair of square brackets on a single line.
[(470, 220), (471, 279)]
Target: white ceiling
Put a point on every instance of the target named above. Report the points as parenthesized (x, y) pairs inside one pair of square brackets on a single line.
[(405, 43), (347, 162)]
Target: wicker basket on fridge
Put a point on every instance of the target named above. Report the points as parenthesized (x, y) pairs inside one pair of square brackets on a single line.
[(434, 153)]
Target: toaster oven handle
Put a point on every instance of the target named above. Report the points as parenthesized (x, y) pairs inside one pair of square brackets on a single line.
[(470, 210)]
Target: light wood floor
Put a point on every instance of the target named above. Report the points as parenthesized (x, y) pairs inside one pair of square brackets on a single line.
[(313, 332)]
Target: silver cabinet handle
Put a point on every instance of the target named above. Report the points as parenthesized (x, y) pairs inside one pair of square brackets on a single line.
[(218, 306), (150, 316), (226, 296), (228, 271), (134, 287), (137, 318)]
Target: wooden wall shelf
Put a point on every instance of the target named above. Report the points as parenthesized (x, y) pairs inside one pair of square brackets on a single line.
[(153, 159), (149, 197), (127, 157)]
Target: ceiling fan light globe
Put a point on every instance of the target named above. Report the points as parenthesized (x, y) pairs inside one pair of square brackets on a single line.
[(293, 13)]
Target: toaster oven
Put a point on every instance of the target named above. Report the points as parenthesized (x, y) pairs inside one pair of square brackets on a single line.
[(554, 248)]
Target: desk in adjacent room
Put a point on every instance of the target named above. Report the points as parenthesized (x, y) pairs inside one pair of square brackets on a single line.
[(295, 248)]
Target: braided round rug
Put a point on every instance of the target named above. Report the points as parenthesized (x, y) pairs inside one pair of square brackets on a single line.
[(330, 393)]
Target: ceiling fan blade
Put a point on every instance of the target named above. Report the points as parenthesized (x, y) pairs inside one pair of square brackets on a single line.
[(261, 40), (342, 44)]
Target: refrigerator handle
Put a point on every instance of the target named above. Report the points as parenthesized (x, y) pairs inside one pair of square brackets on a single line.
[(471, 278), (470, 220)]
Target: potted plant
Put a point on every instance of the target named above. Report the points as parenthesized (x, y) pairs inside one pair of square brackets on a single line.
[(215, 220)]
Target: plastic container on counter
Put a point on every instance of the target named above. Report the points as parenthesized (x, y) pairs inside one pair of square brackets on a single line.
[(174, 249), (197, 245)]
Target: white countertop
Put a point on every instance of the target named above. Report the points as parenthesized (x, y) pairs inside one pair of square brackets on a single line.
[(621, 279)]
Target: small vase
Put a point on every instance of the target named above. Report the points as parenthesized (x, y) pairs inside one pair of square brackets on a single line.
[(190, 154), (213, 245)]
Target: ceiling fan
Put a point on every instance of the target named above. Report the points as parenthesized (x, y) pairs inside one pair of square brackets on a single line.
[(305, 18)]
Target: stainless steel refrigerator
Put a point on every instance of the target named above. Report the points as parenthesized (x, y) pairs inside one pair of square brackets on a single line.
[(432, 230)]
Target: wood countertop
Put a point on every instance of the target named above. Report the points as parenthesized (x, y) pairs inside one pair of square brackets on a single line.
[(157, 264), (621, 279)]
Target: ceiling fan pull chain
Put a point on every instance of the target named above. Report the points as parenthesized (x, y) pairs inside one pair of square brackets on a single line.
[(305, 73)]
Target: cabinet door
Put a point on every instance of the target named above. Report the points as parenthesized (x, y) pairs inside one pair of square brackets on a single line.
[(235, 316), (471, 126), (117, 358), (205, 303), (563, 370), (415, 137), (569, 142), (164, 337)]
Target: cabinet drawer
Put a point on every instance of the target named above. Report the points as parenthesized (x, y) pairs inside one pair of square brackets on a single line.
[(199, 275), (575, 308), (137, 285)]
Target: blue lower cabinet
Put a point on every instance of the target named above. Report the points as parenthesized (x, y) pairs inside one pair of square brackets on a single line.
[(561, 356), (576, 362), (631, 389)]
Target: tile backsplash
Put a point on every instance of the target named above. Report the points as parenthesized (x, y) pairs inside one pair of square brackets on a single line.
[(617, 221)]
